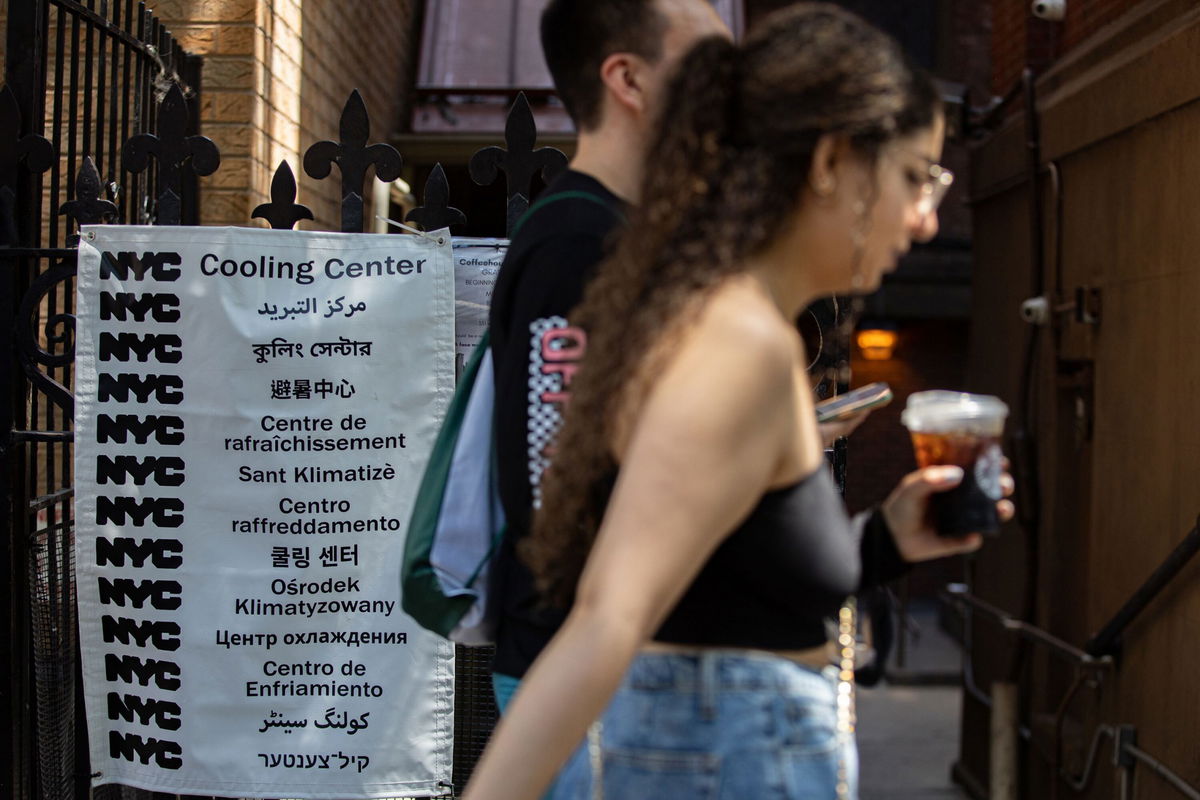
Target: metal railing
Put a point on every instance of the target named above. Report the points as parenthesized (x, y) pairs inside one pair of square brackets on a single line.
[(1093, 663)]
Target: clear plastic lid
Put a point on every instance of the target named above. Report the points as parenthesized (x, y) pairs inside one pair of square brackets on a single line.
[(942, 411)]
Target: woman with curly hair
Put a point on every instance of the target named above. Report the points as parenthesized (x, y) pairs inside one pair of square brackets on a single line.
[(688, 518)]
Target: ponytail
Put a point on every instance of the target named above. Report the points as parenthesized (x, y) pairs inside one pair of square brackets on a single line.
[(684, 162)]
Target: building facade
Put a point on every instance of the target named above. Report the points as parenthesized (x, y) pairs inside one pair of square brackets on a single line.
[(276, 77), (1091, 208)]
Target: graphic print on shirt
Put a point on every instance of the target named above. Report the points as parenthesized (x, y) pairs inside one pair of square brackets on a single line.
[(555, 349)]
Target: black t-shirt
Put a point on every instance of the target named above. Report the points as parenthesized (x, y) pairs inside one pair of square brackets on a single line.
[(535, 352)]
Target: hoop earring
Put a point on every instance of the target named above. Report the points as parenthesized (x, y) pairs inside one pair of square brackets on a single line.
[(820, 340)]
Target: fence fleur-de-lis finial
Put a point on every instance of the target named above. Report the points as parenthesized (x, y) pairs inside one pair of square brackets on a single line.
[(283, 212), (353, 156), (520, 161), (436, 212), (88, 208), (173, 149), (34, 150)]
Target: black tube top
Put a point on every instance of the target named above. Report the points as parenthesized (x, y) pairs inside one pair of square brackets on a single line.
[(789, 565)]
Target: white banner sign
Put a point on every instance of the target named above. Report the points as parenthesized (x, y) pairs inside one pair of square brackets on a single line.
[(476, 264), (253, 412)]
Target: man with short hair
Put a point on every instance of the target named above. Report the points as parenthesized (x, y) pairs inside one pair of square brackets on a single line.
[(610, 61)]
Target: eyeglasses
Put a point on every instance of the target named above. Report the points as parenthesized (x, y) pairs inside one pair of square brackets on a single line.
[(933, 189)]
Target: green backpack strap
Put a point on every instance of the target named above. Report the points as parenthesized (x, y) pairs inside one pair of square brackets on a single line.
[(422, 597), (570, 194), (422, 594)]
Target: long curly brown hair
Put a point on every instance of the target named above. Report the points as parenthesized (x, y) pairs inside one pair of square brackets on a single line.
[(732, 153)]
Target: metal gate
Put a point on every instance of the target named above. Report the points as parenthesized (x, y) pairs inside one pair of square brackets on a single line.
[(89, 78)]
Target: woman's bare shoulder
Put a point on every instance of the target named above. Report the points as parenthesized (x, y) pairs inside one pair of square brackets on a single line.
[(734, 359), (737, 341), (740, 312)]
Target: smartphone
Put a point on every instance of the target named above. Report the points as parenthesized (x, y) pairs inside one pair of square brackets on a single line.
[(852, 402)]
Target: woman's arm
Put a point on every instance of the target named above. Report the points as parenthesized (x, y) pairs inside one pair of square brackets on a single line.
[(706, 443)]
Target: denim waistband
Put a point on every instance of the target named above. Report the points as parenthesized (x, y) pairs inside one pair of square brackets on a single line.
[(715, 669)]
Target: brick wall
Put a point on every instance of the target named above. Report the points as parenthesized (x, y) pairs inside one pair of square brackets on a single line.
[(1019, 38), (224, 33), (368, 45), (276, 76)]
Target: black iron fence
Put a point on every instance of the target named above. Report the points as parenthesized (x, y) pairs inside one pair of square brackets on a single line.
[(81, 80)]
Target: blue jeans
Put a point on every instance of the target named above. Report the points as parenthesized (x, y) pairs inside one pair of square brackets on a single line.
[(717, 725), (504, 687)]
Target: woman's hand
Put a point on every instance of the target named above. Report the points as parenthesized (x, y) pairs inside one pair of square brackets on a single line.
[(907, 513)]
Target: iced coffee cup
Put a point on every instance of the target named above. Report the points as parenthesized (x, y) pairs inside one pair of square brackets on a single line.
[(963, 430)]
